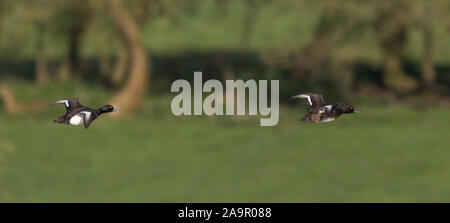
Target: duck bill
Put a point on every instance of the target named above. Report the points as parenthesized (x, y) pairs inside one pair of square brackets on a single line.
[(115, 110), (356, 111)]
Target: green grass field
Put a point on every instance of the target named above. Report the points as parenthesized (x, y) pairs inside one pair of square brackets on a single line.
[(383, 154)]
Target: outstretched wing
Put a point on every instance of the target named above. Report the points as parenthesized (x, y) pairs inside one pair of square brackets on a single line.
[(70, 104), (315, 101)]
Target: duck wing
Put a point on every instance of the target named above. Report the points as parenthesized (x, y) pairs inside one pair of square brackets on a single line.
[(315, 101), (88, 117), (70, 104)]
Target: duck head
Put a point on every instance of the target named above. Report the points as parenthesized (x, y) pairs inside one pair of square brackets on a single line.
[(108, 108), (350, 109)]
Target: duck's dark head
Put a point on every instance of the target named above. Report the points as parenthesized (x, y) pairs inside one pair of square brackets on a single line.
[(350, 109), (108, 108)]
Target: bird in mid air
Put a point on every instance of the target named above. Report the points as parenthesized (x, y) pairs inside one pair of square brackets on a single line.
[(320, 111), (78, 114)]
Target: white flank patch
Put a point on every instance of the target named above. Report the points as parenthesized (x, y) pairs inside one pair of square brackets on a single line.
[(76, 120)]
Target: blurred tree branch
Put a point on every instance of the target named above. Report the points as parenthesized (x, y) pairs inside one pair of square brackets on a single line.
[(129, 98), (41, 70), (75, 17), (428, 70), (392, 23)]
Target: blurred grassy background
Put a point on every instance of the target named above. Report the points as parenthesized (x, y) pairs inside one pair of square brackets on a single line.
[(387, 153), (389, 58)]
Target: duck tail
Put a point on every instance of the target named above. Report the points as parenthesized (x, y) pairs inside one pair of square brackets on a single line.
[(61, 119), (305, 118)]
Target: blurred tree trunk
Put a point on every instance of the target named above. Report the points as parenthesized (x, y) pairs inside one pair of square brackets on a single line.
[(41, 71), (130, 97), (75, 36), (252, 7), (391, 27), (428, 70), (120, 67), (330, 27), (63, 72), (83, 13)]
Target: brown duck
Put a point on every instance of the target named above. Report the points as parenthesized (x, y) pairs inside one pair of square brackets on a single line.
[(320, 111)]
